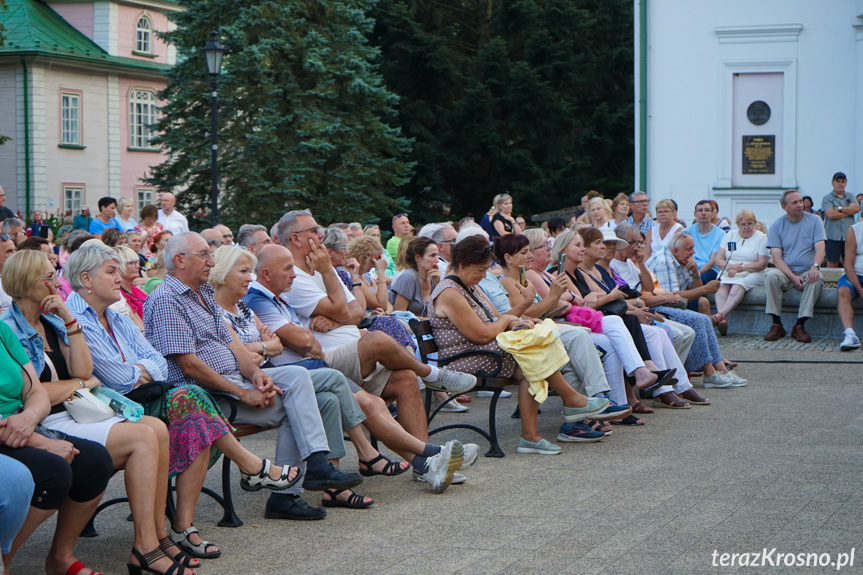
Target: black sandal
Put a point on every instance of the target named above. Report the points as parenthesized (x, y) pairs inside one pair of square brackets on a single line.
[(390, 469), (664, 377), (181, 558), (355, 500), (144, 562)]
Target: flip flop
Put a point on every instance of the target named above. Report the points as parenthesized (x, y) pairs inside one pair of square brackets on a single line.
[(77, 566), (629, 420)]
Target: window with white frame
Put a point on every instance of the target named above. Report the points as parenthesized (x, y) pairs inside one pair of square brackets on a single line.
[(145, 197), (73, 196), (70, 118), (144, 35), (142, 104)]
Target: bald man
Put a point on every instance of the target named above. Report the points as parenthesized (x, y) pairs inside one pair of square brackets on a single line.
[(226, 233), (171, 220)]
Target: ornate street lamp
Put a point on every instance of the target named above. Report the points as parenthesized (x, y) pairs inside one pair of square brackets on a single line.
[(213, 52)]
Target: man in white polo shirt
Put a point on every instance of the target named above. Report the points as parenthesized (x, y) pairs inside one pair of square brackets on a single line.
[(171, 220)]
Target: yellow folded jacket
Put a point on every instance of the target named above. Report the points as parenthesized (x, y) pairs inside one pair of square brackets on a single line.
[(538, 352)]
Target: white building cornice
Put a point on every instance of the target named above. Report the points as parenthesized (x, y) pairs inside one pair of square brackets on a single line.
[(756, 34)]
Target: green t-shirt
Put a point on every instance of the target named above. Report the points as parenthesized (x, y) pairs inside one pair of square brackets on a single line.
[(393, 246), (151, 284), (11, 380)]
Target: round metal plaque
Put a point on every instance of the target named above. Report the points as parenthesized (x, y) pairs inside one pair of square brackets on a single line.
[(758, 112)]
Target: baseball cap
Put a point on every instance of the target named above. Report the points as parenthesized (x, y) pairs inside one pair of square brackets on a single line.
[(839, 176)]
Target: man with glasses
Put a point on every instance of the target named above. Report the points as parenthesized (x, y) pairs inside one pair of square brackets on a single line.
[(401, 228), (328, 311), (677, 272), (639, 204), (5, 213), (708, 239), (185, 324), (7, 248), (444, 236), (226, 234)]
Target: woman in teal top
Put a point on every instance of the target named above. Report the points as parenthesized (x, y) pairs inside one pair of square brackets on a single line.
[(71, 473)]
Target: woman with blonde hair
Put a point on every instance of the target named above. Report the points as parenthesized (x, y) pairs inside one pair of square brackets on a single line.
[(125, 207), (744, 266), (401, 256), (661, 235), (599, 215), (503, 222)]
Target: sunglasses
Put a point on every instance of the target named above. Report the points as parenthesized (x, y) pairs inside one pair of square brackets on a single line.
[(5, 237)]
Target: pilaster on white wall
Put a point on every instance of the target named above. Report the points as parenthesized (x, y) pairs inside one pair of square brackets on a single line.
[(38, 138), (757, 49), (114, 118), (172, 48), (105, 23), (858, 124)]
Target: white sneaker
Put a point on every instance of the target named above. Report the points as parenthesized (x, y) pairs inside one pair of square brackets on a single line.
[(491, 393), (442, 466), (736, 380), (471, 452), (849, 343), (457, 478), (454, 407), (452, 382), (719, 380)]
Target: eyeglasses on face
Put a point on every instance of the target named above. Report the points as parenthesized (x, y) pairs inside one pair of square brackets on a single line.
[(639, 243), (315, 229), (638, 202), (204, 255)]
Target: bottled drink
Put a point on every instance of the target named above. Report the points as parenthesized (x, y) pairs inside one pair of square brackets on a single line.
[(121, 404)]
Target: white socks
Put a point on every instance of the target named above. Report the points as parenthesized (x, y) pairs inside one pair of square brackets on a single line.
[(433, 376)]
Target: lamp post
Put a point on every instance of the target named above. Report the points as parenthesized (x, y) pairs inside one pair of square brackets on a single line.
[(213, 52)]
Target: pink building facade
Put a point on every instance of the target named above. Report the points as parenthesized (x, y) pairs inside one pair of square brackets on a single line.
[(83, 94)]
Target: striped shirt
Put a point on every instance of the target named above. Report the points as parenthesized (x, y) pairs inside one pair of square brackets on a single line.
[(672, 275), (114, 359)]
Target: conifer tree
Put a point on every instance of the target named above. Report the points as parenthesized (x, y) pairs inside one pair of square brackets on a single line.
[(305, 120)]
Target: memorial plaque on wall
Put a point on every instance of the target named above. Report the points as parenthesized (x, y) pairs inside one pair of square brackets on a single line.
[(759, 154)]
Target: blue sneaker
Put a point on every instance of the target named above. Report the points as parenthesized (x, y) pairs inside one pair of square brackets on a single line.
[(541, 447), (578, 433), (614, 412)]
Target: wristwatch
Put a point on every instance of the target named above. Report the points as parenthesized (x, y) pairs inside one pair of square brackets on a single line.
[(816, 266)]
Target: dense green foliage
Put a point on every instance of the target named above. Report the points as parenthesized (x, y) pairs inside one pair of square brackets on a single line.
[(361, 108), (304, 117), (530, 97)]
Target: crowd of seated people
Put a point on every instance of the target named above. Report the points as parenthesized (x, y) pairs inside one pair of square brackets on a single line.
[(308, 327)]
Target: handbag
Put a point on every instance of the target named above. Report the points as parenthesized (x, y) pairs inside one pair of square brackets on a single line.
[(617, 307), (84, 407)]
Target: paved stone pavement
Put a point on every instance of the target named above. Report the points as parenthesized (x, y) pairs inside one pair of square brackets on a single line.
[(774, 465)]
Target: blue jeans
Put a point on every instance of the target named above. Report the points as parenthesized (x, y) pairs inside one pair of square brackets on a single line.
[(16, 489)]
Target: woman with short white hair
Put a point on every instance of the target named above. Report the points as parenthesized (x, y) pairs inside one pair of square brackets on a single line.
[(125, 207)]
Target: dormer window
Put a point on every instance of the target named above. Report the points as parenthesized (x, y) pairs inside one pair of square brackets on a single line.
[(144, 35)]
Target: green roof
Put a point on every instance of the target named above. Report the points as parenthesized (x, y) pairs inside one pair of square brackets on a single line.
[(33, 28)]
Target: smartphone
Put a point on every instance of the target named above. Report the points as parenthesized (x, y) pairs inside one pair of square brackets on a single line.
[(43, 232), (561, 262), (521, 279)]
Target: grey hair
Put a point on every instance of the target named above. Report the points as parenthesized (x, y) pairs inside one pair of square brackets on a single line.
[(678, 237), (74, 235), (226, 258), (437, 235), (783, 200), (129, 233), (428, 231), (178, 243), (467, 231), (633, 194), (622, 230), (11, 223), (246, 234), (121, 203), (288, 225), (88, 258), (355, 226), (335, 238)]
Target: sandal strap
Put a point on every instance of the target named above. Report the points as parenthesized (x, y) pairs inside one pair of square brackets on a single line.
[(181, 558), (353, 499), (388, 468)]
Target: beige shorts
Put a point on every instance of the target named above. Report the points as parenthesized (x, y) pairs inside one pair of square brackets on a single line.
[(346, 360)]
